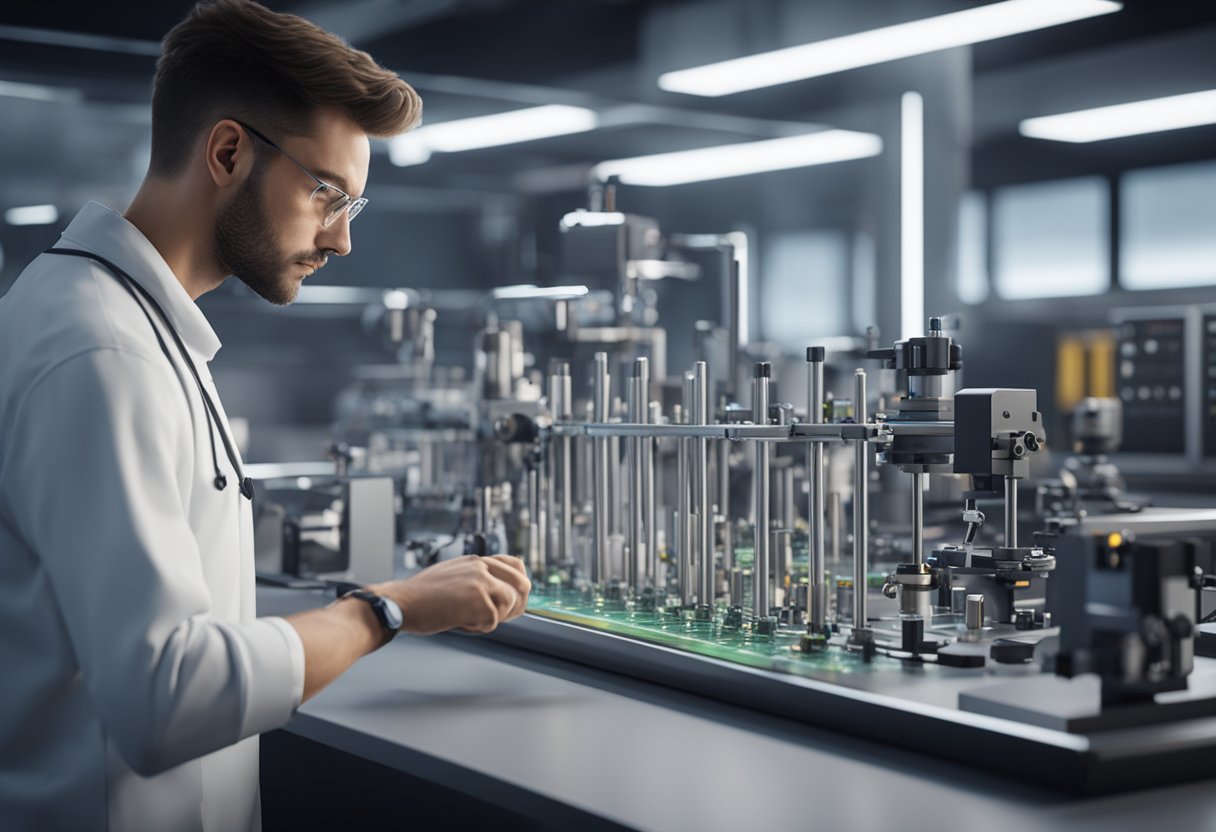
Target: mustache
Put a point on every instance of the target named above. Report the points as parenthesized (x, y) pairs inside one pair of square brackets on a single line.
[(316, 259)]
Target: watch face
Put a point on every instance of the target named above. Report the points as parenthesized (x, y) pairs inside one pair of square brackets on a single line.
[(392, 613)]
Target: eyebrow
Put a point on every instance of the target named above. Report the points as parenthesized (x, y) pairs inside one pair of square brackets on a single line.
[(334, 179)]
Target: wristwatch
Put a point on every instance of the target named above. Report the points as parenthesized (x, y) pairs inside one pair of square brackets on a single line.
[(388, 613)]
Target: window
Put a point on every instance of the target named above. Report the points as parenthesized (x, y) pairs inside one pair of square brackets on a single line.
[(1167, 227), (1052, 239), (805, 292), (971, 261)]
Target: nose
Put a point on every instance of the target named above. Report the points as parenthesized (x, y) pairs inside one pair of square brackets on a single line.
[(336, 238)]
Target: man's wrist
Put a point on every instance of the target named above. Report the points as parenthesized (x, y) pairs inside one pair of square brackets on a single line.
[(364, 622), (386, 610)]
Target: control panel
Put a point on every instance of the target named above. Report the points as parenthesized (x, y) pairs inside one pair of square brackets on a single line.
[(1152, 384)]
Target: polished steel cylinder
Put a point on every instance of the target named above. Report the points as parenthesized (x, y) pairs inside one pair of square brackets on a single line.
[(560, 485), (1011, 513), (485, 509), (688, 583), (639, 407), (600, 495), (723, 508), (706, 584), (782, 552), (787, 514), (535, 520), (651, 489), (736, 326), (762, 599), (861, 505), (918, 519), (835, 524), (816, 588)]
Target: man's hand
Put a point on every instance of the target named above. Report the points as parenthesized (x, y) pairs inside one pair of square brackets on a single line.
[(470, 593)]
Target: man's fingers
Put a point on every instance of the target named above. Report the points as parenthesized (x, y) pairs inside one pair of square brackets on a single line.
[(501, 567), (510, 560), (504, 597), (491, 612), (517, 579)]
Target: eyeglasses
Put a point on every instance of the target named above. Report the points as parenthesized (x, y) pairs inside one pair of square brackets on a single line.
[(334, 207)]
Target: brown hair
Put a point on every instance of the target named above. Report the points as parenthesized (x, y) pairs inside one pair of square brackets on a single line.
[(238, 59)]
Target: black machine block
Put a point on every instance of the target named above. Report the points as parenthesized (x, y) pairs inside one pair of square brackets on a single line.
[(982, 416)]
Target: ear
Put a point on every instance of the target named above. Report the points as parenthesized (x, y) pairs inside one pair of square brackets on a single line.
[(229, 153)]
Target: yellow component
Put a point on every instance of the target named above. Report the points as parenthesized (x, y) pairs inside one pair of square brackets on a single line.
[(1020, 584), (1115, 540), (1070, 372), (1102, 364)]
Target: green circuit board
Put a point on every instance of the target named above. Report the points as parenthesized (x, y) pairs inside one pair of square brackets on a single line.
[(721, 638), (728, 635)]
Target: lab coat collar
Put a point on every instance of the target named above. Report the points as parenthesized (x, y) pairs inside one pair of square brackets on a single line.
[(105, 232)]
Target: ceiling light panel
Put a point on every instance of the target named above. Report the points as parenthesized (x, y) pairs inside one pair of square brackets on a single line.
[(876, 46)]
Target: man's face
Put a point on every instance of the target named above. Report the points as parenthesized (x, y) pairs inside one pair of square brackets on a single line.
[(270, 233)]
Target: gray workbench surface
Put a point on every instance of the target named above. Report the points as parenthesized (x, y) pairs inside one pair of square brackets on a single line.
[(524, 731)]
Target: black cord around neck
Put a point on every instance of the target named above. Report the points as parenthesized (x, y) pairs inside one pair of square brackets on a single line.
[(210, 412)]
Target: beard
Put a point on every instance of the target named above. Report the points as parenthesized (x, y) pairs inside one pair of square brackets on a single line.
[(245, 246)]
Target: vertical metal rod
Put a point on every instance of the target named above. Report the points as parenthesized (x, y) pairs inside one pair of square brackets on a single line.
[(836, 522), (615, 492), (633, 486), (782, 552), (705, 513), (585, 465), (485, 509), (761, 582), (861, 505), (789, 508), (728, 550), (600, 465), (534, 517), (777, 489), (688, 582), (1011, 513), (816, 592), (918, 520), (639, 407), (544, 527), (736, 326), (561, 484), (651, 489)]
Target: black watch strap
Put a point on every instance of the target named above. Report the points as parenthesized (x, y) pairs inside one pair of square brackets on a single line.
[(381, 607)]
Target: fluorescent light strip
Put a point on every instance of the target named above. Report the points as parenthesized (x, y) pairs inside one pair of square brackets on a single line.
[(81, 40), (32, 215), (1133, 119), (725, 161), (877, 46), (589, 219), (912, 215), (527, 291), (512, 127), (39, 92)]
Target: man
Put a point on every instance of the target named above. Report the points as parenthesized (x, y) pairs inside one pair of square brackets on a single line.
[(134, 675)]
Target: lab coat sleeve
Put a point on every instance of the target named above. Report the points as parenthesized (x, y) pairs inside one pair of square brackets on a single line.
[(93, 475)]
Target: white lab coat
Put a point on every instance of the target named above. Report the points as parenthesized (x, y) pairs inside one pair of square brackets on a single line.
[(134, 674)]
